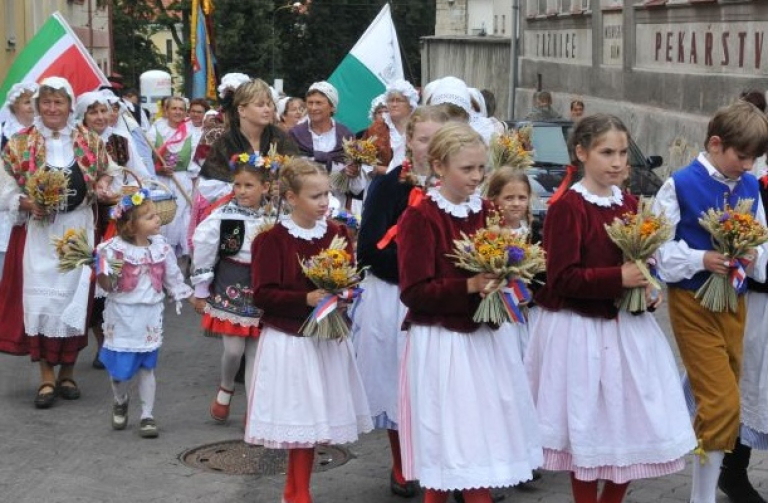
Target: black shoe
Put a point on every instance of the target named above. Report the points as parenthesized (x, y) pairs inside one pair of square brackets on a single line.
[(71, 392), (408, 490), (733, 480), (45, 400)]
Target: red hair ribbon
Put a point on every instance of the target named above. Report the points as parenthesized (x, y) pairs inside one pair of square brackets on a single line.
[(570, 172), (414, 199)]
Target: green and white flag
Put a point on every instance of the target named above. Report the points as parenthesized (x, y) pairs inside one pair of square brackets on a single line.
[(55, 50), (363, 74)]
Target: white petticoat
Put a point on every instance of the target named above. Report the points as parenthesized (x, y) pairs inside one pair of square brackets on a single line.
[(175, 233), (305, 391), (607, 396), (754, 366), (48, 293), (379, 344), (467, 419)]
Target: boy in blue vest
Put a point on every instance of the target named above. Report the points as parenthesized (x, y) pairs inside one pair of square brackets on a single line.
[(710, 343)]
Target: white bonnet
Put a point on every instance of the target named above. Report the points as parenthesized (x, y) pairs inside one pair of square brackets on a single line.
[(406, 89), (327, 89), (452, 90), (478, 97), (85, 100), (376, 103), (232, 81), (60, 84)]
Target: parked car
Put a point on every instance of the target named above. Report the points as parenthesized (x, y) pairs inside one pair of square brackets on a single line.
[(551, 157)]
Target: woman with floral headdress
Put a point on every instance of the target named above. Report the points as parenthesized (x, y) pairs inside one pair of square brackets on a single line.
[(55, 303)]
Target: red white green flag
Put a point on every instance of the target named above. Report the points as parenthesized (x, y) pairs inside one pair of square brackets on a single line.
[(55, 50)]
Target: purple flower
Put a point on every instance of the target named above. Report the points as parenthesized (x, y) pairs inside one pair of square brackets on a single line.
[(725, 217), (514, 254)]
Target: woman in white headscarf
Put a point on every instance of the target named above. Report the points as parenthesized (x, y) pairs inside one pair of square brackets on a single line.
[(55, 303), (19, 113), (401, 99)]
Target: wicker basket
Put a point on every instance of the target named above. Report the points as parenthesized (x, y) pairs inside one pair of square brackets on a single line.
[(165, 203)]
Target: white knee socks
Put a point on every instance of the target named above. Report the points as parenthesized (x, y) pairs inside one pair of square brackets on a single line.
[(234, 347), (147, 387), (704, 485), (120, 390)]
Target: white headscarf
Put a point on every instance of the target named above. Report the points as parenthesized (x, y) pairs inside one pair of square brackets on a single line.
[(10, 124), (405, 88), (282, 103), (232, 81), (327, 90), (452, 90), (60, 84), (86, 100), (376, 103)]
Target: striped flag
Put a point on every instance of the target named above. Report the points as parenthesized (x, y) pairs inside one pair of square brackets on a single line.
[(55, 50), (363, 74), (203, 61)]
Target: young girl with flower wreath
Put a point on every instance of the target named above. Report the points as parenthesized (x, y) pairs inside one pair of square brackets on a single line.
[(221, 274), (466, 417), (378, 314), (306, 390), (601, 376), (133, 314)]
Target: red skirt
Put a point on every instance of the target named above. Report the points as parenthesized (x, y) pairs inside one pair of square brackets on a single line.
[(213, 327), (56, 350), (12, 337)]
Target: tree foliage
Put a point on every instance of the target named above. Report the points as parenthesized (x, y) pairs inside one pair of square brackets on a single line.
[(134, 51)]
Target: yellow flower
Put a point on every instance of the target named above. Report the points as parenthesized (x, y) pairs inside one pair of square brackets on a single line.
[(137, 199), (244, 157)]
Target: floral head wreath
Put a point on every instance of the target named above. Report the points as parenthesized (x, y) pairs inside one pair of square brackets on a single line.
[(127, 203), (272, 162)]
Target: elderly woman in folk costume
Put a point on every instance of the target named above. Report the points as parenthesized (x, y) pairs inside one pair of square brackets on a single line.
[(55, 303), (18, 113), (321, 139), (400, 100), (174, 143), (95, 111), (290, 111)]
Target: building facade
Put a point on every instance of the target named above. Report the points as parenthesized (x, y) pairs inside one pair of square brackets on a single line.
[(663, 66), (20, 20)]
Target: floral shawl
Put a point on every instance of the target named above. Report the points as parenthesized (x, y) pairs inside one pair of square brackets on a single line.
[(25, 153)]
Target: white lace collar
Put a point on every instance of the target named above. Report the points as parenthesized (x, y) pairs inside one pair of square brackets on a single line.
[(296, 231), (11, 126), (615, 199), (462, 210), (48, 132), (156, 252), (522, 230)]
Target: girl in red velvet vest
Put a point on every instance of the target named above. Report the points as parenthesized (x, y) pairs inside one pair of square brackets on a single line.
[(467, 420), (603, 379), (309, 390)]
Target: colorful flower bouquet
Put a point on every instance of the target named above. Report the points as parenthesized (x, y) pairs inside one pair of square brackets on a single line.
[(638, 236), (500, 251), (513, 149), (332, 270), (74, 252), (358, 152), (734, 233), (48, 188)]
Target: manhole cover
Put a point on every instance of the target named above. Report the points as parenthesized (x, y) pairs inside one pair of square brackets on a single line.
[(235, 457)]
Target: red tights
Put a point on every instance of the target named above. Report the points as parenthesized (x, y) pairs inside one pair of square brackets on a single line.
[(470, 496), (397, 463), (586, 491), (299, 472)]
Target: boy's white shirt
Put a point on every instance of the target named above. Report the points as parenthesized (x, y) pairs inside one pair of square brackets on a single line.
[(675, 260)]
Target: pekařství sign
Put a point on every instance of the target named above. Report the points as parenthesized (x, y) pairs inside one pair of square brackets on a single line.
[(561, 46), (726, 47)]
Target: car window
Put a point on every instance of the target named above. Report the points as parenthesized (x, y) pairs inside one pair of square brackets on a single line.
[(549, 146)]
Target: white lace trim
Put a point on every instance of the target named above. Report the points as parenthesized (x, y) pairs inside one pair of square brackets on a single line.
[(231, 317), (279, 435), (616, 198), (178, 293), (157, 250), (296, 231), (48, 132), (522, 230), (462, 210), (11, 126)]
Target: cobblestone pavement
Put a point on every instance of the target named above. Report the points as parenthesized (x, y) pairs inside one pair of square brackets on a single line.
[(70, 454)]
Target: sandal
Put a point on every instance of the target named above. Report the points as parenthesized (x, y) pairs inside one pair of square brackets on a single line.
[(220, 411), (71, 392), (45, 400)]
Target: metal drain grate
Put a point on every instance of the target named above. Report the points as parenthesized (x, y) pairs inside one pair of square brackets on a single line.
[(235, 457)]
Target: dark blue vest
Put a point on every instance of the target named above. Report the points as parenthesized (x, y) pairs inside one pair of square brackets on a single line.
[(697, 192)]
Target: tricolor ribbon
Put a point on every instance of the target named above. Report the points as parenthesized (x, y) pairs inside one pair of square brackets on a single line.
[(330, 302), (102, 265), (738, 272), (514, 294)]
